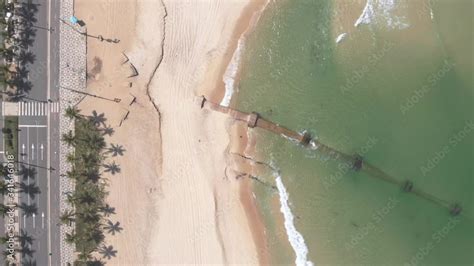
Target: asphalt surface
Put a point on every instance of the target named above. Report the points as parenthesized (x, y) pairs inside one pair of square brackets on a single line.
[(38, 141)]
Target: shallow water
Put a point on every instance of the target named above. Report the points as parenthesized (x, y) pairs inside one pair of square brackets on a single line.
[(398, 90)]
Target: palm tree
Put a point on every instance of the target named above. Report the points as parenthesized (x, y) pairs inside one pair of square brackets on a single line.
[(71, 158), (6, 52), (71, 238), (90, 160), (95, 262), (3, 170), (69, 138), (72, 199), (74, 173), (84, 257), (3, 209), (116, 149), (6, 254), (3, 239), (72, 112), (6, 69), (3, 187), (113, 168), (67, 217), (92, 175), (95, 141), (107, 252), (113, 228)]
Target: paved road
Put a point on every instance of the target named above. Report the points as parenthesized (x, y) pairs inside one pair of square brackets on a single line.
[(39, 139)]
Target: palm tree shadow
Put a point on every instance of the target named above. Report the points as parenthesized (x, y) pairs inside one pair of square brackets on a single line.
[(107, 252), (28, 262), (112, 227), (26, 57), (116, 149), (27, 251), (22, 72), (25, 239), (112, 168), (108, 210), (108, 130), (28, 12), (27, 37), (97, 119), (23, 85), (32, 189), (26, 172), (30, 209)]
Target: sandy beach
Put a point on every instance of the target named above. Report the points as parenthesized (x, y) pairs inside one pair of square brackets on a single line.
[(176, 196)]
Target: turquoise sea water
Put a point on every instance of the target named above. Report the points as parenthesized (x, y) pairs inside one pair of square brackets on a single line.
[(398, 90)]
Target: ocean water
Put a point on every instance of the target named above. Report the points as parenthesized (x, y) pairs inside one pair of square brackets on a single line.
[(389, 80)]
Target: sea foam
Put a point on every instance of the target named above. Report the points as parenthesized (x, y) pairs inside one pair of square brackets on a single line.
[(230, 74), (341, 37), (295, 237), (382, 12)]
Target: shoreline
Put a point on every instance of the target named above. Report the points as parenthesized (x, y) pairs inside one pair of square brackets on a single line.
[(240, 139), (246, 23), (247, 146)]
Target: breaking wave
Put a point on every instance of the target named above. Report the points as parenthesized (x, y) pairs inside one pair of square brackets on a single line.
[(295, 237), (383, 12)]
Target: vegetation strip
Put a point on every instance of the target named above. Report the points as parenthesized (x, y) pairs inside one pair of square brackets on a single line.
[(88, 218)]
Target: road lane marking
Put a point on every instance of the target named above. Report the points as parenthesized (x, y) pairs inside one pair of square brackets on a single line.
[(37, 108), (42, 220), (34, 220), (32, 126), (33, 152), (24, 220), (28, 160), (48, 163), (42, 151)]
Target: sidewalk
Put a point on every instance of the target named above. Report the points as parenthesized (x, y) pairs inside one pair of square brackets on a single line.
[(72, 74)]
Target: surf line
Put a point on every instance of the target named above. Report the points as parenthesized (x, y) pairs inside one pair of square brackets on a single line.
[(295, 237)]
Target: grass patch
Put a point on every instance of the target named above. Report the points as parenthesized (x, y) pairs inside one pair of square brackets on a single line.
[(10, 135)]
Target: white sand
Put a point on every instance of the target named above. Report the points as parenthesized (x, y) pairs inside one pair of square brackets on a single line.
[(174, 197)]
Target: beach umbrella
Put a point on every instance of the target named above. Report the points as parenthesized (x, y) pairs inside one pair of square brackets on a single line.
[(73, 20)]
